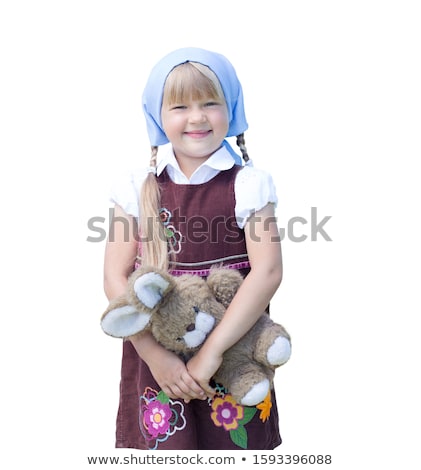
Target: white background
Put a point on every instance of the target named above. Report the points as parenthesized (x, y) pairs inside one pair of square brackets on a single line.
[(332, 92)]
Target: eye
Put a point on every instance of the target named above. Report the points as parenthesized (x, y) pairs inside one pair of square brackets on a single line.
[(191, 327)]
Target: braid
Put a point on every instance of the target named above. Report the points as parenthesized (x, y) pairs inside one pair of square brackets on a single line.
[(154, 243), (242, 144), (154, 154)]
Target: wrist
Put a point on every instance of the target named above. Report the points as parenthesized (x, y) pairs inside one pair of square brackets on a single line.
[(213, 346)]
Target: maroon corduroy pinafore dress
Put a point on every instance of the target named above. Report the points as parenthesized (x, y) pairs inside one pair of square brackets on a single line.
[(202, 230)]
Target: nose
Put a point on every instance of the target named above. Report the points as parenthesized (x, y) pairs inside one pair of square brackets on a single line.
[(197, 114)]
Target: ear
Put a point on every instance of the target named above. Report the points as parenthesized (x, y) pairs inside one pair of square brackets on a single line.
[(148, 287), (224, 284), (122, 319)]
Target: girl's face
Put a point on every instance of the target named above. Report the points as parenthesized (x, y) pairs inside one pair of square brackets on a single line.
[(195, 127)]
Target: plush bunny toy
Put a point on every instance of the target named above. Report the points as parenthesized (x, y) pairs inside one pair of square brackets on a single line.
[(181, 311)]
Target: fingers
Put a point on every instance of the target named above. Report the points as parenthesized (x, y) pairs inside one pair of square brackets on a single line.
[(185, 388), (194, 389), (208, 390), (174, 379)]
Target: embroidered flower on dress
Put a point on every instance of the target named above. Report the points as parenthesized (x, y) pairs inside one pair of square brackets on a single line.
[(174, 237), (265, 407), (233, 417), (165, 215), (156, 418), (160, 417), (226, 412)]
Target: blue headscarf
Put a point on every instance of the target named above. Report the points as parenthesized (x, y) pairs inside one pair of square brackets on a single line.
[(152, 95)]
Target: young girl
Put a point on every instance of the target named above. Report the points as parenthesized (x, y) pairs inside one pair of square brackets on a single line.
[(198, 206)]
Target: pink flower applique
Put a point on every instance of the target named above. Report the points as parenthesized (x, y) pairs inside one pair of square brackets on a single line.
[(159, 417)]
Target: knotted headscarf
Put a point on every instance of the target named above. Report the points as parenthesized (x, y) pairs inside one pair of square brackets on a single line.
[(153, 92)]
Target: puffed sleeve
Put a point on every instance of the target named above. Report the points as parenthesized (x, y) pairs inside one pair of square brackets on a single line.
[(125, 191), (254, 189)]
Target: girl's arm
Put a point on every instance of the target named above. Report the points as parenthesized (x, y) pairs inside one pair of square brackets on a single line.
[(120, 253), (253, 296)]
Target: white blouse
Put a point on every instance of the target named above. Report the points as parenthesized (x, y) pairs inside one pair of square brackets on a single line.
[(254, 188)]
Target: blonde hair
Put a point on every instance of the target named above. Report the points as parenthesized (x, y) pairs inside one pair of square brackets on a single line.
[(190, 80)]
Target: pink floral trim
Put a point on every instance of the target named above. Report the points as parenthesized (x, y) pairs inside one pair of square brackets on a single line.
[(205, 272)]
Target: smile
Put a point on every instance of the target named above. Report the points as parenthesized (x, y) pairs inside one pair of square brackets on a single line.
[(197, 134)]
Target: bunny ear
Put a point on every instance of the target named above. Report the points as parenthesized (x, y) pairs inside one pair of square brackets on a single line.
[(150, 288), (124, 321)]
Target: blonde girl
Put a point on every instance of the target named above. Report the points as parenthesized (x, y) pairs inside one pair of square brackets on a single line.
[(197, 205)]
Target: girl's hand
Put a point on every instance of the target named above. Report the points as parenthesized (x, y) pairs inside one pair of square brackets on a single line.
[(202, 367), (167, 369), (172, 376)]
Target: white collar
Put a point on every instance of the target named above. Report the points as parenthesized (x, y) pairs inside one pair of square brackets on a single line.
[(219, 161)]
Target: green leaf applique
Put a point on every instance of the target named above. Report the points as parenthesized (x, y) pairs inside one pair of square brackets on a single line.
[(163, 397), (239, 436)]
